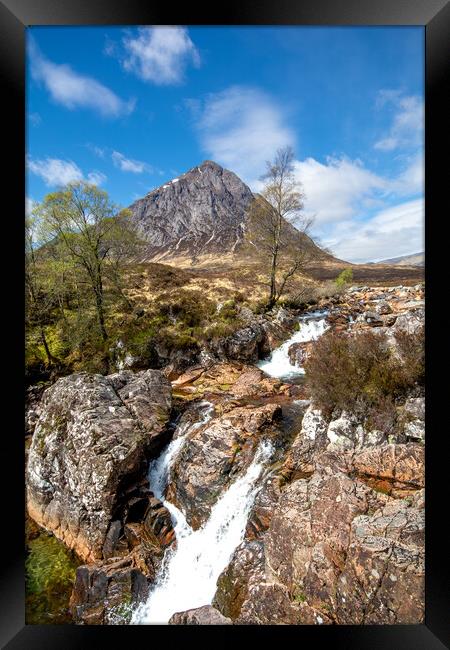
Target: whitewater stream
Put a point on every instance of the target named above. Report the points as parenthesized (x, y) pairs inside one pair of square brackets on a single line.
[(311, 326), (189, 573)]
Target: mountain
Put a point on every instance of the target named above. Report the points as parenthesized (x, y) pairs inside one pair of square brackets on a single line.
[(416, 259), (203, 212)]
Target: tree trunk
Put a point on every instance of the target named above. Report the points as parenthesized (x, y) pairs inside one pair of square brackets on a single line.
[(50, 358), (100, 313)]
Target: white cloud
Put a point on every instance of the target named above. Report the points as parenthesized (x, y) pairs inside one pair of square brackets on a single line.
[(97, 151), (241, 128), (407, 125), (336, 190), (96, 178), (159, 54), (74, 90), (128, 165), (340, 195), (395, 231), (56, 172)]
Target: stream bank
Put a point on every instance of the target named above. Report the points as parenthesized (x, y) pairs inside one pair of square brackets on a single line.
[(317, 464)]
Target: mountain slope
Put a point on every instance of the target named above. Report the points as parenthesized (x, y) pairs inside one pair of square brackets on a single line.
[(416, 259), (202, 213)]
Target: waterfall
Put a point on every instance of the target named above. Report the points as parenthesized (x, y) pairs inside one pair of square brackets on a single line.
[(189, 573), (312, 325), (159, 469)]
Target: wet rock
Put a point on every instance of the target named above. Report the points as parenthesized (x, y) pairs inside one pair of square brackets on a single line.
[(92, 437), (106, 593), (263, 508), (299, 352), (212, 456), (206, 615), (246, 568)]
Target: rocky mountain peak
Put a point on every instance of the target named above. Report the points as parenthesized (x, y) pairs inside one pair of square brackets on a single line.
[(202, 211)]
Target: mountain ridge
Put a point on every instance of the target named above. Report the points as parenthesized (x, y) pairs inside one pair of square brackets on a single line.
[(203, 212), (414, 259)]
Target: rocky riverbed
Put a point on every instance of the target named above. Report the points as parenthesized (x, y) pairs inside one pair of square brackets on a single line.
[(297, 516)]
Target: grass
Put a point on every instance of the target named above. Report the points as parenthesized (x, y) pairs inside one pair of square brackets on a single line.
[(177, 306)]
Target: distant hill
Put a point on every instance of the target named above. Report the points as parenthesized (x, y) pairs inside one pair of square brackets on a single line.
[(416, 259)]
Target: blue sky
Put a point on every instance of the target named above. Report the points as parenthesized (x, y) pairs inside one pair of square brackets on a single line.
[(130, 108)]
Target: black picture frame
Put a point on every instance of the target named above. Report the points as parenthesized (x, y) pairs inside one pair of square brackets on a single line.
[(434, 15)]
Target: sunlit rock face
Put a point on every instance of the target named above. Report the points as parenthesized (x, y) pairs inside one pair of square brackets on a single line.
[(203, 211), (93, 432)]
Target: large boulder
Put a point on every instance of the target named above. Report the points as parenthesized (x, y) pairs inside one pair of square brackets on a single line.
[(213, 455), (91, 443), (382, 579), (341, 539)]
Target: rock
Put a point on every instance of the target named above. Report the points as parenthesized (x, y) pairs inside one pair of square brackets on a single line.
[(158, 522), (415, 430), (414, 411), (213, 454), (372, 318), (106, 593), (345, 431), (263, 508), (415, 407), (203, 211), (206, 615), (402, 466), (383, 308), (410, 322), (247, 344), (92, 437), (388, 320), (33, 406), (335, 525), (299, 352), (382, 580)]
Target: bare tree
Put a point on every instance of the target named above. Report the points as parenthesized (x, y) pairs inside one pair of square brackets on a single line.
[(277, 226)]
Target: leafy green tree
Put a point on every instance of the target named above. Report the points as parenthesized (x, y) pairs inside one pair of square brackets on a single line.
[(344, 277), (88, 235), (38, 300)]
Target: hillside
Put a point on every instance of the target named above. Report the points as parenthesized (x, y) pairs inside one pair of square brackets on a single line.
[(416, 259)]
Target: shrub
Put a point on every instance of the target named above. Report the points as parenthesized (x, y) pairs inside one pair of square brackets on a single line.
[(361, 373), (344, 277)]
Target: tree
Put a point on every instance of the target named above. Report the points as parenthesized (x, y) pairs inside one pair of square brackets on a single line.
[(81, 222), (37, 299), (344, 277), (277, 227)]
